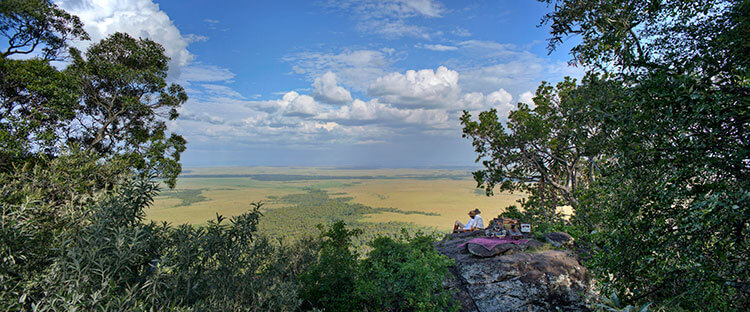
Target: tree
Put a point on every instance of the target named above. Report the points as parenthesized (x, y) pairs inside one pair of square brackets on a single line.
[(673, 205), (551, 150), (35, 98), (32, 24), (125, 103), (329, 283)]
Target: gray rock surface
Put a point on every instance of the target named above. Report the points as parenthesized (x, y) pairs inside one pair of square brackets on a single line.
[(559, 239), (521, 281)]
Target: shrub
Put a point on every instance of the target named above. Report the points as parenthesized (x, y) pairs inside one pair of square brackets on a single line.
[(330, 282), (404, 275)]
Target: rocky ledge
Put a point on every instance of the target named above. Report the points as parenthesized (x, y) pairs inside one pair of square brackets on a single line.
[(515, 278)]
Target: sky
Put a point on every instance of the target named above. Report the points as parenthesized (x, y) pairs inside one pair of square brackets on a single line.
[(337, 82)]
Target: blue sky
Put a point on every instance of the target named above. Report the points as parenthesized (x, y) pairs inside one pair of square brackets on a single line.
[(337, 82)]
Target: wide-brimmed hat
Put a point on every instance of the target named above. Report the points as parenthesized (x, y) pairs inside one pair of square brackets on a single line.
[(476, 211)]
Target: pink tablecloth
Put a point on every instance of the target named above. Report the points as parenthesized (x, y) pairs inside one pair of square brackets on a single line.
[(490, 243)]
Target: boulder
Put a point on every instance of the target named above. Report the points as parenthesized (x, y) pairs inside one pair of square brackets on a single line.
[(559, 239), (502, 249), (521, 281)]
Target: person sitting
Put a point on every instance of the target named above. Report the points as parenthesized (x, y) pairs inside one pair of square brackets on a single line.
[(474, 223)]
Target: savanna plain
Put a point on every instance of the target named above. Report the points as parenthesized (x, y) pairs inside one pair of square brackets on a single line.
[(296, 199)]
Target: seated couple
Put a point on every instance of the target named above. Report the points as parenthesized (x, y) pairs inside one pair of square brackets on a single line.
[(475, 223)]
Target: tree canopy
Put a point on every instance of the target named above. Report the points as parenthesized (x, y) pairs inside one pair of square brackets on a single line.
[(662, 118), (113, 99)]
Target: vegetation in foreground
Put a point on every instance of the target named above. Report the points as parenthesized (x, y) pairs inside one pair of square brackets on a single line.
[(650, 150)]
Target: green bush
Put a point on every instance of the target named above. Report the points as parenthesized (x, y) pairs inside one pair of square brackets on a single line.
[(116, 262), (404, 275), (330, 282)]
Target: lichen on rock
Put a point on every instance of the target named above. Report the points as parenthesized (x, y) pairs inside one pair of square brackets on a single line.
[(520, 280)]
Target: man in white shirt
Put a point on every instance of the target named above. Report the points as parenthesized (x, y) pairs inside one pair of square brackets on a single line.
[(474, 223)]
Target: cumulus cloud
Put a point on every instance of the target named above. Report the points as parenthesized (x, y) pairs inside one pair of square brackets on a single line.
[(297, 105), (327, 90), (426, 102), (514, 75), (418, 89), (527, 98), (139, 18), (373, 112), (476, 101), (500, 100)]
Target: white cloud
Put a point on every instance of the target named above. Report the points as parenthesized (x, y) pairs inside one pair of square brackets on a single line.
[(206, 73), (500, 100), (297, 105), (425, 7), (461, 32), (373, 112), (393, 29), (353, 68), (476, 101), (426, 102), (390, 8), (195, 38), (327, 90), (418, 89), (527, 98), (389, 18), (436, 47), (515, 76), (221, 90), (139, 18)]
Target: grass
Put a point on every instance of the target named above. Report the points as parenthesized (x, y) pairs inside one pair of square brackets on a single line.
[(303, 212), (432, 200)]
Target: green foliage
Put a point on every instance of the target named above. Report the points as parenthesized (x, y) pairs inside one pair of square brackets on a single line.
[(37, 100), (126, 93), (650, 150), (551, 151), (404, 275), (115, 101), (613, 304), (115, 261), (329, 282), (80, 151), (397, 275), (40, 202), (669, 217), (28, 24)]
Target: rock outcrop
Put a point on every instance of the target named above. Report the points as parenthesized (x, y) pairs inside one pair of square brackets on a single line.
[(517, 279), (559, 239)]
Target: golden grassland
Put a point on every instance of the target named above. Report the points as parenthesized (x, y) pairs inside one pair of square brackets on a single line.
[(450, 199), (448, 193)]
